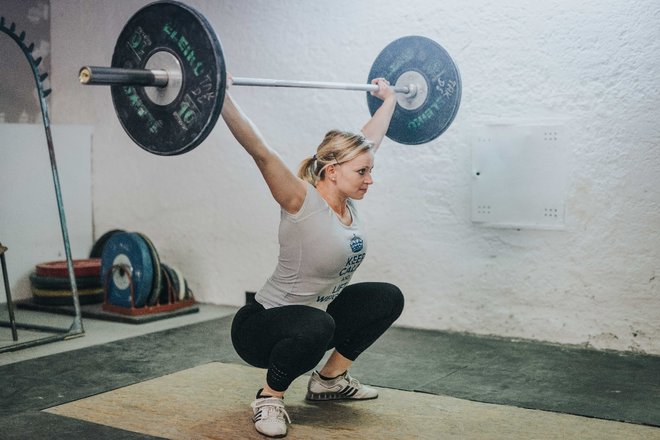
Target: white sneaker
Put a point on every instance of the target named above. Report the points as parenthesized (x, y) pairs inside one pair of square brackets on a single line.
[(343, 387), (270, 418)]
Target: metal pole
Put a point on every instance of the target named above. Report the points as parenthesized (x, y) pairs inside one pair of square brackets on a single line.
[(76, 326), (10, 303)]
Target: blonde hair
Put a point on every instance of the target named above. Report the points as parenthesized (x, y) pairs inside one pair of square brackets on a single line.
[(336, 147)]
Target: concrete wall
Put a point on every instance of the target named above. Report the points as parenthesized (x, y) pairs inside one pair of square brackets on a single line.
[(590, 64)]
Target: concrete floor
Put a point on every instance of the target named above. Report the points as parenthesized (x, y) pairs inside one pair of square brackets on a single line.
[(512, 375)]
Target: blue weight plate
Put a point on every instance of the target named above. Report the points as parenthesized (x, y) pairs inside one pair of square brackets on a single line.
[(97, 248), (421, 61), (129, 250)]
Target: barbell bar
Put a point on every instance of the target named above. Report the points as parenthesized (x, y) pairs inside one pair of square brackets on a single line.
[(168, 79), (408, 90), (96, 75)]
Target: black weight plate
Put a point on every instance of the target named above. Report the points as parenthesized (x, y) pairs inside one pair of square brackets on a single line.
[(127, 249), (158, 274), (176, 279), (184, 33), (57, 283), (189, 292), (61, 301), (433, 63), (168, 292), (167, 283), (97, 248)]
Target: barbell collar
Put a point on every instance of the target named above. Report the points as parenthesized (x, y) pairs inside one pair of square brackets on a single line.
[(106, 76)]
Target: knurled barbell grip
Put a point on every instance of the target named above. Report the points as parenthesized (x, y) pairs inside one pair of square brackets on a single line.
[(105, 76)]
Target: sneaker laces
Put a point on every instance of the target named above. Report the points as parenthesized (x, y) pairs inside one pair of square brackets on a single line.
[(273, 409), (352, 381)]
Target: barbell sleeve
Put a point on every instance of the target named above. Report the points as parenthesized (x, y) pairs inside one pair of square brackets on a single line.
[(95, 75), (105, 76)]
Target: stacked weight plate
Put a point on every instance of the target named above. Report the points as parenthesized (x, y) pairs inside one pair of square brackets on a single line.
[(134, 277), (51, 285)]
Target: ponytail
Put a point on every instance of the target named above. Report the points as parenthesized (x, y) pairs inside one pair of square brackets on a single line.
[(307, 170)]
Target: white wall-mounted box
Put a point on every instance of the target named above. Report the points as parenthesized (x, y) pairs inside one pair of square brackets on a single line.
[(519, 175)]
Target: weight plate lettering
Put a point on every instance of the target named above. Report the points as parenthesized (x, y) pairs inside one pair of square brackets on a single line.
[(159, 123), (419, 59)]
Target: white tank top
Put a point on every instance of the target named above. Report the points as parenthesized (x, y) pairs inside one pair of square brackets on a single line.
[(318, 255)]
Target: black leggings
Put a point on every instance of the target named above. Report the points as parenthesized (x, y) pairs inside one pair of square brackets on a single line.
[(291, 340)]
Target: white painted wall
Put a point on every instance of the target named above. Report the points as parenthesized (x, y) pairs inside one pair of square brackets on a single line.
[(29, 216), (592, 64)]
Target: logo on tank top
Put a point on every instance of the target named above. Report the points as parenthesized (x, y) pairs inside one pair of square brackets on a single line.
[(356, 243)]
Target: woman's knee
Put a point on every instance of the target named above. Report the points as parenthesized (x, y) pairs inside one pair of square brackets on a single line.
[(241, 337), (319, 330), (394, 297), (238, 322), (390, 303)]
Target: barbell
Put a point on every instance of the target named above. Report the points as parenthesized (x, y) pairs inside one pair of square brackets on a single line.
[(168, 81)]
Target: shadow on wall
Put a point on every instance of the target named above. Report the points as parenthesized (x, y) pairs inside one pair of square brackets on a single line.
[(18, 94)]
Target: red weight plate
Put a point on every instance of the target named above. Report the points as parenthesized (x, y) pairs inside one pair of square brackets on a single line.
[(81, 268)]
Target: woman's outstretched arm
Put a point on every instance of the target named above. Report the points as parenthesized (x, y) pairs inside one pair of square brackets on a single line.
[(287, 189), (377, 126)]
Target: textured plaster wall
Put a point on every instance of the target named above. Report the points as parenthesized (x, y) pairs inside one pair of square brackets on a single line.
[(593, 65)]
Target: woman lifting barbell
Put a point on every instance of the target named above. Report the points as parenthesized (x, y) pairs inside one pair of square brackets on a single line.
[(307, 306)]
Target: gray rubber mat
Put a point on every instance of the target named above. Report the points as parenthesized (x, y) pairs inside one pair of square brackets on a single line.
[(605, 385)]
